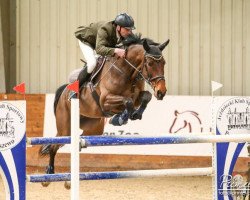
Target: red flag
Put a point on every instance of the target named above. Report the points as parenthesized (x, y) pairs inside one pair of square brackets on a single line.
[(20, 88), (74, 86)]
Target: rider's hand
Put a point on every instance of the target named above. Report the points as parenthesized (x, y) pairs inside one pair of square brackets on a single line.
[(120, 52)]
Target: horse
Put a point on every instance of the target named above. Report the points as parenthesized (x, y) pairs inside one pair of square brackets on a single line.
[(186, 122), (118, 92)]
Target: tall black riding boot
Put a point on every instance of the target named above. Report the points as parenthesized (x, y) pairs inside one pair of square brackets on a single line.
[(83, 76)]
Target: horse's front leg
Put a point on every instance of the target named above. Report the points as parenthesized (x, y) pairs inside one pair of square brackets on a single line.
[(115, 103), (144, 98)]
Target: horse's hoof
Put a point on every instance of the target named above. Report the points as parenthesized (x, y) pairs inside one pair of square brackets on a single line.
[(50, 169), (45, 184), (67, 185), (135, 116), (117, 121)]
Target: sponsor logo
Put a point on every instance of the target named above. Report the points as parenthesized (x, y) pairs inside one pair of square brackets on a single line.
[(234, 186), (233, 116), (12, 126)]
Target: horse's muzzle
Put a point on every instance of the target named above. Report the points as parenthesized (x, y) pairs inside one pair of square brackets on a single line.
[(160, 90)]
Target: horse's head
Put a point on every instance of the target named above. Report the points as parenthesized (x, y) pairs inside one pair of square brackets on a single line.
[(153, 68)]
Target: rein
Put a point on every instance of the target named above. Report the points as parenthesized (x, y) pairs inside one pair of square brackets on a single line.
[(147, 80)]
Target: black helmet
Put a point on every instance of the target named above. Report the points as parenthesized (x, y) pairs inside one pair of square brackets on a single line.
[(124, 20)]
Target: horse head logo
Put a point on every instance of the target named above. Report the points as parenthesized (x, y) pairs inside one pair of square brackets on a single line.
[(186, 122)]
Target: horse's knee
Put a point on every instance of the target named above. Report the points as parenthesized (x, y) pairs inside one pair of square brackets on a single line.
[(128, 102), (147, 96)]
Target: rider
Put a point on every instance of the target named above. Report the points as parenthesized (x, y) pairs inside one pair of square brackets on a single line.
[(101, 38)]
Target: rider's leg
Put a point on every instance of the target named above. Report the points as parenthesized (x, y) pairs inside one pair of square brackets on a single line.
[(89, 55), (84, 73)]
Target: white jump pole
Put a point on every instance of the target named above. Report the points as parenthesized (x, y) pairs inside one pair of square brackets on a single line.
[(75, 141)]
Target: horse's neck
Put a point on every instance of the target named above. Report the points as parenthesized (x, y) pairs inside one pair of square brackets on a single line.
[(135, 57)]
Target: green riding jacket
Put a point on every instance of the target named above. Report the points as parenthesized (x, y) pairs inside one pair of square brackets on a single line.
[(101, 36)]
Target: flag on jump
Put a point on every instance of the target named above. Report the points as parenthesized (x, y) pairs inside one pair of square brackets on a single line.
[(20, 88), (74, 86), (215, 86)]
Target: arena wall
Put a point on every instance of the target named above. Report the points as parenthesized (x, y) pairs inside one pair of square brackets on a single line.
[(209, 40)]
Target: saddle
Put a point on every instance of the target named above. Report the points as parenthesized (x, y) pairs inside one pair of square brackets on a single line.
[(99, 65), (90, 79)]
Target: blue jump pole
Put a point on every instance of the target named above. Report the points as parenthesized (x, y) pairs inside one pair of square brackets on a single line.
[(122, 174), (115, 141)]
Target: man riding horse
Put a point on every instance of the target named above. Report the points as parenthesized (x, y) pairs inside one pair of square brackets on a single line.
[(101, 38), (118, 89)]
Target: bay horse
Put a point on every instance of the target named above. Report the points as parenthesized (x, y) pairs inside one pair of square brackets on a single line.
[(119, 88)]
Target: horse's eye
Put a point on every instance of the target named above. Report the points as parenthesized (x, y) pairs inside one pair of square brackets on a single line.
[(150, 63)]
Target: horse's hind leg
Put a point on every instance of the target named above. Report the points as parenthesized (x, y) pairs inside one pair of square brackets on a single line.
[(122, 118), (51, 150), (143, 100), (92, 126)]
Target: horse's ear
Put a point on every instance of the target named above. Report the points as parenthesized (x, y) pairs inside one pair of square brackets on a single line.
[(163, 45), (146, 46)]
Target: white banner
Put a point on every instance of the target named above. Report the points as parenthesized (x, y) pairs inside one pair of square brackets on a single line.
[(174, 114)]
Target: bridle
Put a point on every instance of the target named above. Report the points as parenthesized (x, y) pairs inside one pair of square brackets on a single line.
[(140, 75)]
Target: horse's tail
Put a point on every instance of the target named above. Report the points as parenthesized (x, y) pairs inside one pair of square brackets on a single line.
[(57, 96)]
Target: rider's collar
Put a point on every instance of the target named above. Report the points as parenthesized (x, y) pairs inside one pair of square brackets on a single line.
[(118, 36)]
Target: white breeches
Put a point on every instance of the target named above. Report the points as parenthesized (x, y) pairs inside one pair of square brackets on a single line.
[(90, 57)]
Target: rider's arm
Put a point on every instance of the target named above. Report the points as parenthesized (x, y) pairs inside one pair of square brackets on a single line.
[(103, 43)]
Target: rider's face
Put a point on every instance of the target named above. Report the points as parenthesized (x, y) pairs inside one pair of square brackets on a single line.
[(125, 32)]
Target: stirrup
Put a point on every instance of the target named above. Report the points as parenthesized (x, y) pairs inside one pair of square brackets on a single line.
[(72, 94)]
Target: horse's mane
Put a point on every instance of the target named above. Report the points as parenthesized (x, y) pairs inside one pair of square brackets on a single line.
[(137, 39)]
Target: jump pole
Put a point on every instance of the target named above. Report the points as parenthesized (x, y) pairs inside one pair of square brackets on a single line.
[(75, 156), (88, 141)]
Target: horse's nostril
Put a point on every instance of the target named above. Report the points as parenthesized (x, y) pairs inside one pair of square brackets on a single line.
[(159, 94)]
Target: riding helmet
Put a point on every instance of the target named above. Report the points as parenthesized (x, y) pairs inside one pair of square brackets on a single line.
[(124, 20)]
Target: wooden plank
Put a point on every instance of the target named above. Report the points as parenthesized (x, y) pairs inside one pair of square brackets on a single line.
[(195, 47), (12, 46), (174, 50), (205, 44), (35, 112), (92, 11), (110, 162), (163, 29), (132, 10), (2, 66), (53, 76), (153, 23), (24, 58), (62, 41), (18, 41), (226, 40), (34, 59), (184, 48), (237, 48), (216, 40), (122, 6), (44, 46), (112, 9), (246, 47), (72, 42), (142, 20), (102, 10)]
